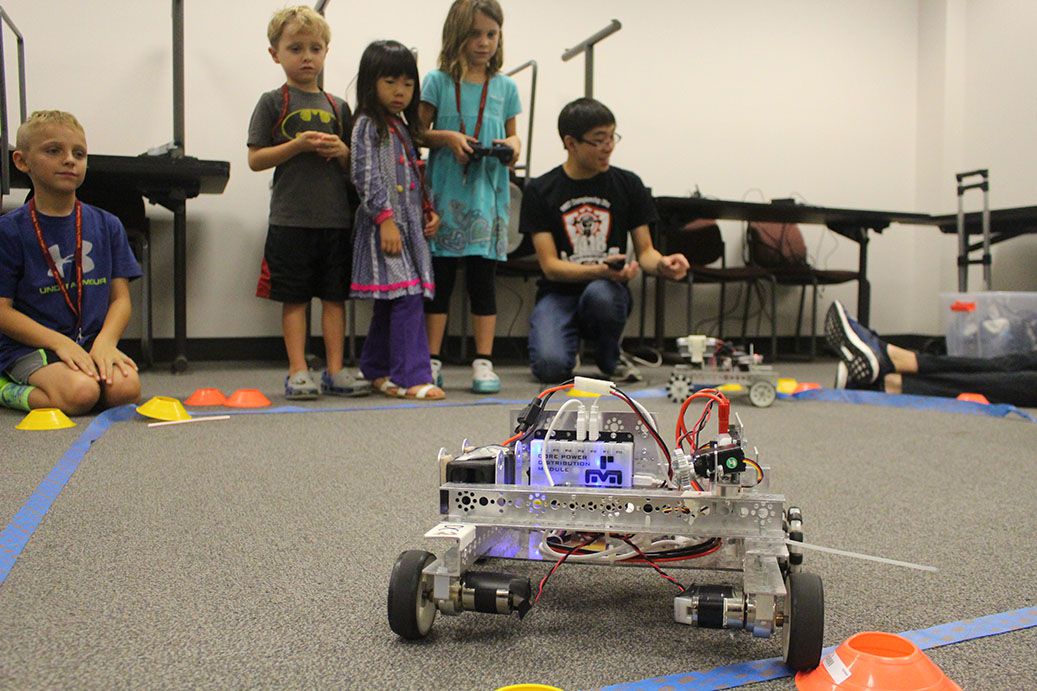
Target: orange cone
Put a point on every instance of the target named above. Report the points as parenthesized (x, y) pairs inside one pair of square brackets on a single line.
[(973, 397), (247, 398), (876, 660), (204, 397)]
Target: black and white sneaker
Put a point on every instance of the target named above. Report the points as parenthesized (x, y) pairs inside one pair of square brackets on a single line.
[(862, 351)]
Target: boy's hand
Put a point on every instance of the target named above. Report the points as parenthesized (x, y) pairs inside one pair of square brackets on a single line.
[(391, 244), (309, 140), (624, 274), (674, 267), (431, 223), (73, 355), (460, 144), (333, 148), (107, 359)]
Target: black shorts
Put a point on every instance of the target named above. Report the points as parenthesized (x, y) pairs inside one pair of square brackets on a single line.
[(304, 263)]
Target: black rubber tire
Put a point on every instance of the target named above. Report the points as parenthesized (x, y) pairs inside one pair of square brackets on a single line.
[(804, 626), (411, 613)]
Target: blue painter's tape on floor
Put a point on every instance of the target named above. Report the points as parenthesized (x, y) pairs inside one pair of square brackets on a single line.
[(16, 535), (743, 673), (946, 405)]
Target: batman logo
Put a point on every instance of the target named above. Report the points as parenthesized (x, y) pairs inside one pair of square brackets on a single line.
[(308, 119)]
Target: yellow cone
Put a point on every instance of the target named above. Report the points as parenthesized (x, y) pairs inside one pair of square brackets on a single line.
[(164, 408), (45, 418)]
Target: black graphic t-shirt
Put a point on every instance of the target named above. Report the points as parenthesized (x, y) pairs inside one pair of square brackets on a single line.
[(308, 191), (588, 217)]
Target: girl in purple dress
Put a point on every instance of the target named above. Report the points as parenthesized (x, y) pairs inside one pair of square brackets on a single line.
[(391, 260)]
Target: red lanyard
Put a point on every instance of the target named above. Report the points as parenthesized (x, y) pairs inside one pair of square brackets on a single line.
[(77, 309), (285, 98), (482, 106)]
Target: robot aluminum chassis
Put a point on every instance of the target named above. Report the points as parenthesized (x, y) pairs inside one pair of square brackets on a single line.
[(758, 380), (506, 518)]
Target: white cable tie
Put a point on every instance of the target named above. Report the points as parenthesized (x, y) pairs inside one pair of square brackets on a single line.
[(592, 386), (207, 418), (858, 555)]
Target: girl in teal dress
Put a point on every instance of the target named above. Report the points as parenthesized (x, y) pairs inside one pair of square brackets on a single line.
[(466, 103)]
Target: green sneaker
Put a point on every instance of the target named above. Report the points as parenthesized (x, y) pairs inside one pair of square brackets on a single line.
[(484, 379), (14, 396)]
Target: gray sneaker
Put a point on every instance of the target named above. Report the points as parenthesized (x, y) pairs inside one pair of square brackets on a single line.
[(626, 372), (344, 383), (300, 387)]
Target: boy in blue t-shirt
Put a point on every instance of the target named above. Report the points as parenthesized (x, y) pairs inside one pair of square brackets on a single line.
[(65, 270)]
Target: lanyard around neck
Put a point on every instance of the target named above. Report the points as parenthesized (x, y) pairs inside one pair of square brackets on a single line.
[(286, 98), (482, 106), (77, 308)]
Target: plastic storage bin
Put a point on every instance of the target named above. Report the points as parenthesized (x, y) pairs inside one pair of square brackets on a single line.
[(990, 324)]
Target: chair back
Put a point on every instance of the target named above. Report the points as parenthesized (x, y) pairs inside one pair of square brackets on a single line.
[(699, 241), (776, 245)]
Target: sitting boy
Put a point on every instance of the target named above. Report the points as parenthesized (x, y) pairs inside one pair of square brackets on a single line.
[(580, 215), (65, 269)]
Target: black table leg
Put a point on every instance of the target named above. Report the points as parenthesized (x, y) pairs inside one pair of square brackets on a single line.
[(179, 286)]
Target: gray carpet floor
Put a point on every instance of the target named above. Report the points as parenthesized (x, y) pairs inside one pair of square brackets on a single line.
[(256, 551)]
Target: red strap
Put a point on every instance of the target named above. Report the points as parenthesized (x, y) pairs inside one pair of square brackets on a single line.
[(77, 309), (482, 106), (284, 112)]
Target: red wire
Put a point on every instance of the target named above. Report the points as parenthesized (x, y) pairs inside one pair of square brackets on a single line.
[(542, 394), (652, 563), (543, 581)]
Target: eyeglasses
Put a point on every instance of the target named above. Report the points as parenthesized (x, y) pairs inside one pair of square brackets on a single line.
[(603, 142)]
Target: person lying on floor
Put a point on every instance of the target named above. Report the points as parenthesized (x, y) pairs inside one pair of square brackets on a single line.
[(868, 362)]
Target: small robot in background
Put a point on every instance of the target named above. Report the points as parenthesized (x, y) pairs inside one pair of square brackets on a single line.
[(714, 363)]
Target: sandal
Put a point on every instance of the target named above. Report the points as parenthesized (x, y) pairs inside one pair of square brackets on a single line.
[(388, 387), (423, 392)]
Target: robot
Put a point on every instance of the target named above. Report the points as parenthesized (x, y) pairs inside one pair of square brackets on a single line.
[(588, 483), (725, 365)]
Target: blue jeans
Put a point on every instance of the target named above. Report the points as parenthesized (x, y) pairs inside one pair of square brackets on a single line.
[(559, 321)]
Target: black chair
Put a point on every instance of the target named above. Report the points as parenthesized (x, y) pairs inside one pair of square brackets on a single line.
[(780, 249), (702, 243)]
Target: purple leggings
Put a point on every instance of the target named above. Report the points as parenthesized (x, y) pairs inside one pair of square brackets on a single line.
[(396, 345)]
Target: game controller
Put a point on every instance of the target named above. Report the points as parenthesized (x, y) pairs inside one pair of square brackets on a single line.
[(501, 152), (616, 264)]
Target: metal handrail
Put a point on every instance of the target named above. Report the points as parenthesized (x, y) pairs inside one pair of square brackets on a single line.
[(532, 105), (5, 164), (587, 46)]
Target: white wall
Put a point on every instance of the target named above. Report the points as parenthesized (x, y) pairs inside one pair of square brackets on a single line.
[(864, 103)]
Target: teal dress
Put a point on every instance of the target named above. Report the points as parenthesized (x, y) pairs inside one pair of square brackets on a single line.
[(474, 206)]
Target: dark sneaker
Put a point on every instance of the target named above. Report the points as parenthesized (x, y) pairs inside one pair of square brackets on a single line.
[(860, 348), (300, 387), (843, 380), (437, 371), (626, 372), (344, 383)]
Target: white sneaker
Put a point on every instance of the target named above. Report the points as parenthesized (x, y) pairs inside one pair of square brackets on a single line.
[(484, 379)]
